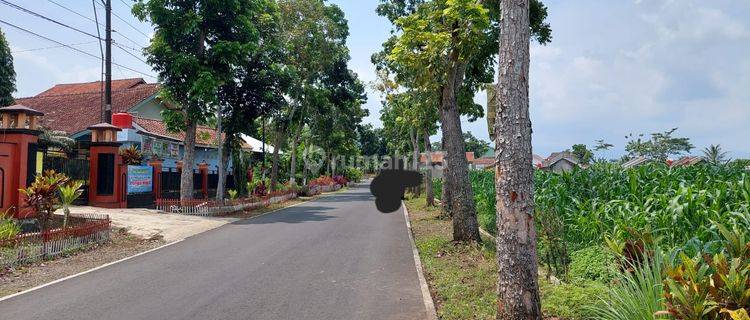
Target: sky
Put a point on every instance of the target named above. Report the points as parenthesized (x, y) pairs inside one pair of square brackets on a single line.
[(612, 68)]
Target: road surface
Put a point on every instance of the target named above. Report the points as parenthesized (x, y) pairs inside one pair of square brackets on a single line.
[(333, 258)]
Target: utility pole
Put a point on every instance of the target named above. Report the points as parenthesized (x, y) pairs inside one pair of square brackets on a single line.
[(108, 64)]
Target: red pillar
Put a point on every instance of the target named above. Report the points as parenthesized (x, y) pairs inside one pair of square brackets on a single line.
[(18, 132), (157, 166), (106, 191), (203, 169)]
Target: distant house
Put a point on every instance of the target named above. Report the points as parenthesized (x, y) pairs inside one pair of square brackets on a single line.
[(687, 161), (484, 162), (438, 162), (560, 162), (632, 163), (537, 161)]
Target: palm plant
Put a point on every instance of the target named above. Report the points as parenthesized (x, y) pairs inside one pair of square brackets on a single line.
[(68, 194), (56, 140), (714, 155)]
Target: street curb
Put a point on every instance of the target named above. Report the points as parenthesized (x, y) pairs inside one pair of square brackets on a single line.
[(426, 296), (486, 234)]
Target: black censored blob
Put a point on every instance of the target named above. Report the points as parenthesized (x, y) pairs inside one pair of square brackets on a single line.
[(389, 186)]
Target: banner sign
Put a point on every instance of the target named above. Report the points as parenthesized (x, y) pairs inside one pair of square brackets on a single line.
[(140, 179), (162, 149)]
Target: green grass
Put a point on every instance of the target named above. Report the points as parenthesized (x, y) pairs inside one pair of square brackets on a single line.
[(463, 278)]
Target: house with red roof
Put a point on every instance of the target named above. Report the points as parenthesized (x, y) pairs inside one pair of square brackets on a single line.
[(72, 108)]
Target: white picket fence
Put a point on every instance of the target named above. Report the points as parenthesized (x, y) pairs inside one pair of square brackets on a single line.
[(210, 208), (32, 247)]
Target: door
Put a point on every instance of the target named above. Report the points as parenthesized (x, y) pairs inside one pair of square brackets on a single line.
[(6, 189)]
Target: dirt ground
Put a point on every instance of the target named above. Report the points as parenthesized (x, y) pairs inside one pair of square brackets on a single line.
[(147, 223), (121, 245)]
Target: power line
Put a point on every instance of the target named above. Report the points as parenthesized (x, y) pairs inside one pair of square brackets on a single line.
[(93, 20), (129, 53), (72, 11), (53, 47), (72, 48), (126, 4), (17, 7), (126, 22), (123, 46)]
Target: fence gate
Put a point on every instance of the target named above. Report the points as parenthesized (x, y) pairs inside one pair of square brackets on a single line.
[(74, 168)]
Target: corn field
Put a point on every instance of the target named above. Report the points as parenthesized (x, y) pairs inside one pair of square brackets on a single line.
[(675, 205)]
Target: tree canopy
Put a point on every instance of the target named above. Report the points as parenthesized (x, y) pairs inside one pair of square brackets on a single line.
[(7, 73), (659, 147), (476, 145)]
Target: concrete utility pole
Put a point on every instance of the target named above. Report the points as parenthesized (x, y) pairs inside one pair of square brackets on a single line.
[(108, 64)]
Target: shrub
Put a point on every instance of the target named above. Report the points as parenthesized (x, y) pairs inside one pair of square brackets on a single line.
[(340, 180), (8, 228), (711, 287), (42, 195), (131, 156), (353, 174), (592, 263), (322, 181), (635, 295), (232, 194), (569, 301)]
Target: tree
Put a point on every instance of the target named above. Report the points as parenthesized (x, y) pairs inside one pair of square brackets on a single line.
[(371, 140), (315, 44), (447, 48), (582, 153), (602, 146), (659, 147), (518, 290), (715, 155), (476, 145), (7, 73), (198, 48)]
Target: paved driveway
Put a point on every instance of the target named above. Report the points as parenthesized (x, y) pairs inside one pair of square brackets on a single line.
[(333, 258)]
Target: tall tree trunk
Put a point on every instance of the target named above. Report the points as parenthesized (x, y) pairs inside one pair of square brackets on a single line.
[(430, 195), (188, 160), (414, 136), (445, 197), (223, 166), (465, 225), (293, 150), (223, 157), (275, 165), (518, 291)]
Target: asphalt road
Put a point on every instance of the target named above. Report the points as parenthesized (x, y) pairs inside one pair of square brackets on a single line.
[(333, 258)]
